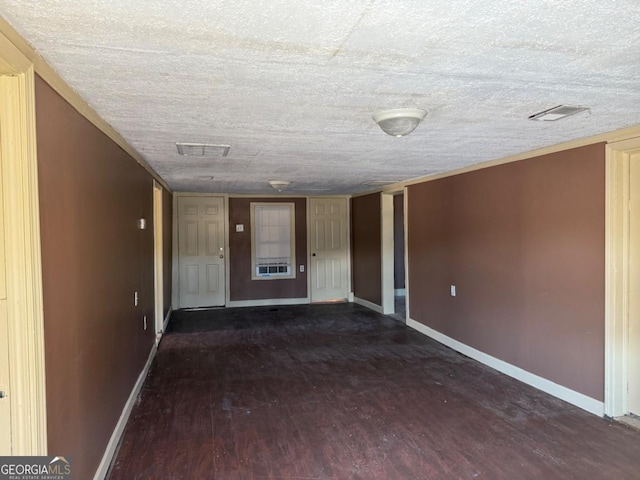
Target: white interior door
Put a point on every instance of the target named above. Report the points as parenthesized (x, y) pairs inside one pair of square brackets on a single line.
[(201, 254), (633, 350), (5, 406), (329, 250)]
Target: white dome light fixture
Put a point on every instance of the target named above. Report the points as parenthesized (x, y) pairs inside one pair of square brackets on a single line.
[(279, 185), (399, 122)]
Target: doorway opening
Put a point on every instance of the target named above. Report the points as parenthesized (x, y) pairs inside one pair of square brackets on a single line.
[(393, 255), (399, 276)]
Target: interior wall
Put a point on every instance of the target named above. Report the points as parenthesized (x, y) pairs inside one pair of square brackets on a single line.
[(242, 286), (366, 247), (94, 258), (398, 242), (167, 247), (524, 245)]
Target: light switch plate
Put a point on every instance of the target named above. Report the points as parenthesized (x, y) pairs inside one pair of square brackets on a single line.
[(239, 227), (453, 290)]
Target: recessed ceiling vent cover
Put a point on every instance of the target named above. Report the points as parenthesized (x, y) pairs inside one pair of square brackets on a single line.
[(203, 149), (377, 183), (556, 113)]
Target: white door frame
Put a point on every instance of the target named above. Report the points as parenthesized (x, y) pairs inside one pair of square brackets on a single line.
[(27, 389), (158, 259), (617, 245)]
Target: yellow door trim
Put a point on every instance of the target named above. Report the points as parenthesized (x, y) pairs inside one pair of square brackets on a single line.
[(22, 247), (158, 262), (617, 245)]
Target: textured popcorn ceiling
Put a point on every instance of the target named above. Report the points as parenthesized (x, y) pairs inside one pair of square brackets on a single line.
[(291, 84)]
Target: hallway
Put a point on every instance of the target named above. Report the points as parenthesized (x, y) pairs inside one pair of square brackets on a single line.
[(341, 392)]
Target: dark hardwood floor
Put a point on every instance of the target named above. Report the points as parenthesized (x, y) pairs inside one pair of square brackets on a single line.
[(340, 392)]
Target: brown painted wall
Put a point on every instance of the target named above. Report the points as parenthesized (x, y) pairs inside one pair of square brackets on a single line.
[(167, 247), (242, 287), (94, 258), (366, 247), (524, 245), (398, 242)]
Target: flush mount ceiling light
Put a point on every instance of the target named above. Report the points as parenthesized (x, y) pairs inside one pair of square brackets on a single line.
[(556, 113), (279, 185), (399, 122), (203, 149)]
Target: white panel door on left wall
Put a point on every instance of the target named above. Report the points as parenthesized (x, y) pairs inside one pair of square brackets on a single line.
[(201, 254)]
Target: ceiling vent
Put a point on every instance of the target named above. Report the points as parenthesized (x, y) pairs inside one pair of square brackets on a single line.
[(203, 149), (556, 113), (378, 183)]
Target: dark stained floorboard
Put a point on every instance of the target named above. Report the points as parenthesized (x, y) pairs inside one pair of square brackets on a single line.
[(341, 392)]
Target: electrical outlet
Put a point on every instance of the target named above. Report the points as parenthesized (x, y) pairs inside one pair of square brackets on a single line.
[(301, 268), (135, 299), (453, 290)]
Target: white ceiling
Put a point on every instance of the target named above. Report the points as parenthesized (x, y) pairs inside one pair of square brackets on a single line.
[(291, 85)]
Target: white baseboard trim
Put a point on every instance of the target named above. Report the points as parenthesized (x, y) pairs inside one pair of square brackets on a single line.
[(350, 297), (578, 399), (107, 458), (400, 292), (368, 304), (268, 302)]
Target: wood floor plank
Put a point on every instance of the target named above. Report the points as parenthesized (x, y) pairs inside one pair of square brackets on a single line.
[(341, 392)]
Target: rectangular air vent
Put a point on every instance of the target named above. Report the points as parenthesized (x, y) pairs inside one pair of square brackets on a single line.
[(379, 183), (203, 149), (556, 113)]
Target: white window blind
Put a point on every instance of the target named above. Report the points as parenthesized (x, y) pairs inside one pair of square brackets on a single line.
[(273, 240)]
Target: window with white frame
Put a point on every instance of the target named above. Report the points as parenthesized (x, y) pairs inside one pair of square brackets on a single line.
[(272, 240)]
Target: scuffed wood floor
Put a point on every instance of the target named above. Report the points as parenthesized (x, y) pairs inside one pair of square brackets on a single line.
[(340, 392)]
